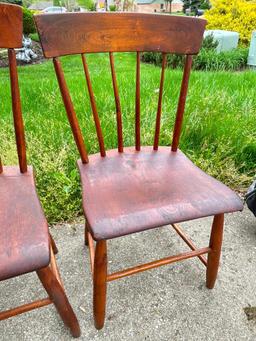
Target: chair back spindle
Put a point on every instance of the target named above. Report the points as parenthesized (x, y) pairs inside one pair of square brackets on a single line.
[(17, 114), (137, 103), (118, 105), (81, 33), (11, 37), (94, 107), (70, 110), (159, 106), (181, 103)]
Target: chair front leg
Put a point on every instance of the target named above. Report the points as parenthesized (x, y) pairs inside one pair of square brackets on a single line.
[(59, 298), (214, 255), (86, 233), (100, 283)]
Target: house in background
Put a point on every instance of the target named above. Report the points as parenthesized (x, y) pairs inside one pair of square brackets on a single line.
[(141, 6), (150, 6)]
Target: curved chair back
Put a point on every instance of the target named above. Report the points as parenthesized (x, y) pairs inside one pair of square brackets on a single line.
[(82, 33)]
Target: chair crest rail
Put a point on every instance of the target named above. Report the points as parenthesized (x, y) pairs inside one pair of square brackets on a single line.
[(82, 33)]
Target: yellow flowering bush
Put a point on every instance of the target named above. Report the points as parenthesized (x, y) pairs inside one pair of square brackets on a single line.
[(233, 15)]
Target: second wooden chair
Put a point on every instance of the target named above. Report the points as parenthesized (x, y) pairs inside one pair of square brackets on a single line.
[(138, 188), (25, 242)]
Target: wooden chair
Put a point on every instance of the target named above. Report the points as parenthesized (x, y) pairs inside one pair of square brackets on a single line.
[(25, 242), (133, 189)]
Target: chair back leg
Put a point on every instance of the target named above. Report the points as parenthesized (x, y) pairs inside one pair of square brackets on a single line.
[(54, 246), (214, 254), (100, 283), (59, 298)]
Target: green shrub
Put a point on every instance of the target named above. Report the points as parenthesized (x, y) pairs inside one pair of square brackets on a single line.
[(34, 37), (177, 61), (28, 21), (92, 8), (207, 59), (195, 4), (209, 43), (205, 4), (112, 8), (233, 60), (14, 2), (173, 61), (90, 5)]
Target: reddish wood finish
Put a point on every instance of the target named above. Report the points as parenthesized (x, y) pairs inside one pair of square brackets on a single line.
[(181, 104), (70, 111), (17, 115), (24, 308), (214, 255), (178, 229), (134, 191), (85, 234), (93, 32), (100, 283), (159, 106), (16, 107), (54, 246), (137, 104), (76, 33), (118, 106), (59, 299), (94, 108), (24, 236), (157, 263), (51, 280), (11, 26), (92, 251), (54, 268)]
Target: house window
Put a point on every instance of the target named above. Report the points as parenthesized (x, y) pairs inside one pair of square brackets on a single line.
[(161, 6)]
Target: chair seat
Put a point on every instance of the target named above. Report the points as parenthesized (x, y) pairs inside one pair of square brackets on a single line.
[(24, 238), (134, 191)]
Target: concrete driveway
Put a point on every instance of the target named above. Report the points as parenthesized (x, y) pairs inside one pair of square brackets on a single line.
[(169, 303)]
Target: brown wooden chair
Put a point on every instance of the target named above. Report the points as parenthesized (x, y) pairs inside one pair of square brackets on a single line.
[(25, 242), (133, 189)]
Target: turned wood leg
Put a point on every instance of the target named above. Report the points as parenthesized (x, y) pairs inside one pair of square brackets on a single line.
[(86, 233), (54, 247), (60, 300), (100, 284), (214, 255)]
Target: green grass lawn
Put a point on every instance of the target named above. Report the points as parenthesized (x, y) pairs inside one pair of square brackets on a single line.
[(219, 131)]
